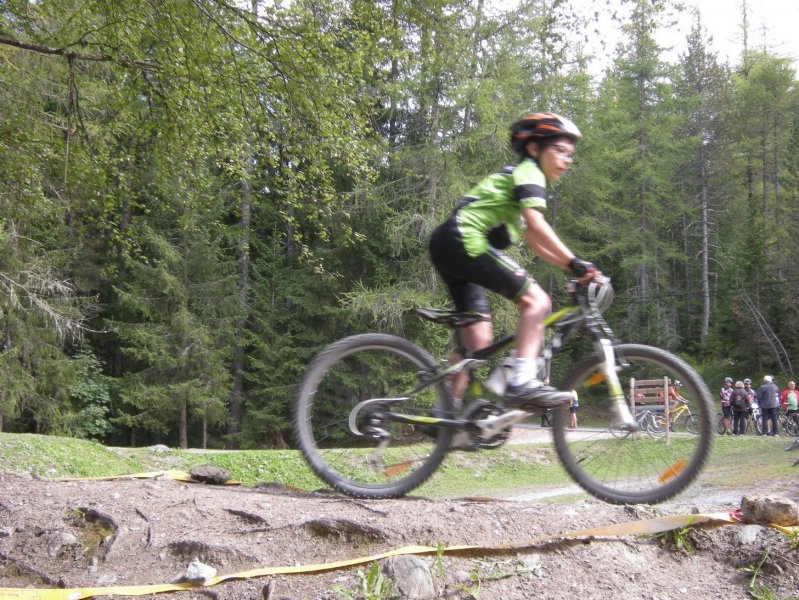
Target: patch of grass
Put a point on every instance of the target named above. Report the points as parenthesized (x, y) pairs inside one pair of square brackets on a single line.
[(679, 539), (739, 462), (490, 472), (735, 463), (50, 456), (255, 466)]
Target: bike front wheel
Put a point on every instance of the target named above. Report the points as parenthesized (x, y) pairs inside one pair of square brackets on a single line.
[(758, 424), (720, 429), (362, 452), (638, 468), (792, 425)]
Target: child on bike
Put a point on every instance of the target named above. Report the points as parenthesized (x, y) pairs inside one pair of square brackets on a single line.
[(499, 210)]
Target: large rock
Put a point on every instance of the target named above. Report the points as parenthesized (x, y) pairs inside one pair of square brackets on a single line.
[(210, 474), (198, 572), (770, 510), (411, 577), (59, 539)]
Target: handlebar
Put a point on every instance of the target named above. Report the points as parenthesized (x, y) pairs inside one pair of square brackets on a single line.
[(598, 291)]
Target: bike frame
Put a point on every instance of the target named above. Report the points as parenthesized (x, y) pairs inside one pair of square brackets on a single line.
[(564, 322)]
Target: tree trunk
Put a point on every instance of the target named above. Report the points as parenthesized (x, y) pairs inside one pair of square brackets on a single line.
[(393, 133), (242, 285), (205, 427), (705, 242), (183, 425), (476, 39)]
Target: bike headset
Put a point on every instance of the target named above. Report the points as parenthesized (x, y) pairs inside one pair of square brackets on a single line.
[(600, 295)]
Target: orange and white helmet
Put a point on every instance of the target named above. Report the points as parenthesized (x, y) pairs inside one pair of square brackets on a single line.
[(540, 127)]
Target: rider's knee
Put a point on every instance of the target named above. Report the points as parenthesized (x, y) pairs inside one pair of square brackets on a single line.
[(535, 300), (479, 336)]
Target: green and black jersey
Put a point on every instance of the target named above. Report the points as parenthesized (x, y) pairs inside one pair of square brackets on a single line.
[(497, 199)]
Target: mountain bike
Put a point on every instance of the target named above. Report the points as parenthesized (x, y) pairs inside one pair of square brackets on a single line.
[(374, 415), (680, 416), (754, 420), (646, 421), (790, 423)]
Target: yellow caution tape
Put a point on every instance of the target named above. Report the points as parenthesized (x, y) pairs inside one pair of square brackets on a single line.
[(632, 528), (170, 473), (650, 526)]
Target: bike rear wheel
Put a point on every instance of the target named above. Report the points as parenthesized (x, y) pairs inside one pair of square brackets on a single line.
[(395, 457), (792, 425), (720, 423), (638, 468), (692, 424)]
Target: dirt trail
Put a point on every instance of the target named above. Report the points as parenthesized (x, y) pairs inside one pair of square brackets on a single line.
[(148, 531)]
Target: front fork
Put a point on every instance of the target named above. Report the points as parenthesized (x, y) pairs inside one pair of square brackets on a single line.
[(614, 385)]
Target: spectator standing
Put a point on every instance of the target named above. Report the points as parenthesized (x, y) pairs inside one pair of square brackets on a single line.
[(726, 411), (739, 402), (752, 394), (546, 416), (790, 399), (768, 397), (573, 411)]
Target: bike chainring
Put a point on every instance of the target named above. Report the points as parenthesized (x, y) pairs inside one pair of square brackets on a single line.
[(480, 409)]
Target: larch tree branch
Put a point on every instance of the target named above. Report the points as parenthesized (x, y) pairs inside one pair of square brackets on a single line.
[(72, 55)]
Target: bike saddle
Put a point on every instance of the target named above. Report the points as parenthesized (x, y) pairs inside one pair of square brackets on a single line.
[(450, 318)]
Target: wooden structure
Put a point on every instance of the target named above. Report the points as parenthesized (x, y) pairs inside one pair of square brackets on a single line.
[(652, 394)]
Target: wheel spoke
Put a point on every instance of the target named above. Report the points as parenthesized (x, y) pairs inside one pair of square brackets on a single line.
[(342, 416), (646, 466)]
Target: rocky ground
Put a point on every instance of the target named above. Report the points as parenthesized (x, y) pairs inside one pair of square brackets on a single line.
[(78, 534)]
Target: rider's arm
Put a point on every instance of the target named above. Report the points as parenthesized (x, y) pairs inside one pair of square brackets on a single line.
[(543, 240)]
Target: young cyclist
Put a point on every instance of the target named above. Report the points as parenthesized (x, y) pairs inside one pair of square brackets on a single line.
[(726, 409), (754, 410), (498, 211)]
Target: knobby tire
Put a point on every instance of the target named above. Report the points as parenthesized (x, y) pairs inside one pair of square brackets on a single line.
[(364, 367), (637, 468)]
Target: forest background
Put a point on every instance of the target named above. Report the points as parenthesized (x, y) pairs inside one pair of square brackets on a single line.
[(197, 195)]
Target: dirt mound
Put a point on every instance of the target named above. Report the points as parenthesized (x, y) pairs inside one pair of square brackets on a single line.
[(81, 534)]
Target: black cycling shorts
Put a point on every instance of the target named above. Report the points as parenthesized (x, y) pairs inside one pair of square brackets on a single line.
[(468, 277)]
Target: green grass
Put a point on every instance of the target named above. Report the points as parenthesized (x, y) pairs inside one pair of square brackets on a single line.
[(51, 456), (494, 472), (742, 461), (736, 463)]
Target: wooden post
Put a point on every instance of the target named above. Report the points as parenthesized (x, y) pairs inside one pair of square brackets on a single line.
[(632, 401), (666, 409)]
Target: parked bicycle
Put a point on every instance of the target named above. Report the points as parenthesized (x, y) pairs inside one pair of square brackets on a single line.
[(646, 421), (374, 415), (788, 424)]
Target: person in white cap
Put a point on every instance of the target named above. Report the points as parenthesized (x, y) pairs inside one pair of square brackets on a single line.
[(768, 398)]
